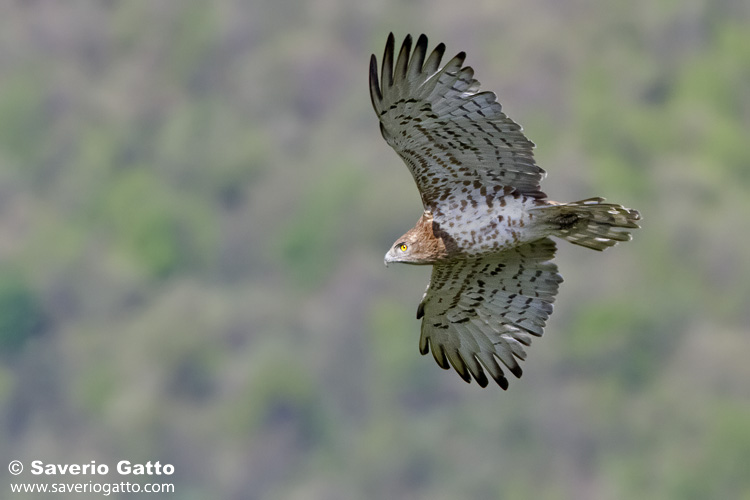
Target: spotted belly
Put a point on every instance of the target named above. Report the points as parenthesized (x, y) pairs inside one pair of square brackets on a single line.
[(478, 224)]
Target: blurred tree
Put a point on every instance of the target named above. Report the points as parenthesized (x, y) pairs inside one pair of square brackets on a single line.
[(21, 313)]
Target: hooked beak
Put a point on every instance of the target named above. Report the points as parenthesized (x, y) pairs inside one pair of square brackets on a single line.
[(387, 259)]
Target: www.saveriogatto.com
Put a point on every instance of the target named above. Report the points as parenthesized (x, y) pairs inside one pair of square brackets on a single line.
[(59, 478)]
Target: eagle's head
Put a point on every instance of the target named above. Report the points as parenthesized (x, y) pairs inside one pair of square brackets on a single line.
[(419, 245), (407, 250)]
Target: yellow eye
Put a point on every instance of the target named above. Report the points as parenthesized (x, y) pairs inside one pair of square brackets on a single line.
[(403, 247)]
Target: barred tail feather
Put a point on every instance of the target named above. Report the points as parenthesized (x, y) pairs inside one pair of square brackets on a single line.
[(592, 223)]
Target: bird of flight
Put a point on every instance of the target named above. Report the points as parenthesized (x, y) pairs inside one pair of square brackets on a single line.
[(486, 224)]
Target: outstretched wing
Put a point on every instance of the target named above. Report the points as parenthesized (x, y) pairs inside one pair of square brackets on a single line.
[(449, 133), (476, 312)]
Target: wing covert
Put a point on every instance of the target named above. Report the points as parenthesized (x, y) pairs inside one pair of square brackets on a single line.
[(444, 128)]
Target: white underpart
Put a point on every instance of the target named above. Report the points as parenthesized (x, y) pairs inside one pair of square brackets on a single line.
[(480, 228)]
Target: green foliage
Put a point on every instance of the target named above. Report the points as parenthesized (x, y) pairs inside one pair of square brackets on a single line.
[(311, 243), (626, 345), (394, 354), (21, 314), (97, 388), (718, 469), (22, 123), (711, 104), (152, 226), (279, 396)]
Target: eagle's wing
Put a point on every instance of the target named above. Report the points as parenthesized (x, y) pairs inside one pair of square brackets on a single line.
[(449, 133), (485, 310)]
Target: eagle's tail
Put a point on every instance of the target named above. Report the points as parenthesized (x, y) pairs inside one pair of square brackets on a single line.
[(592, 223)]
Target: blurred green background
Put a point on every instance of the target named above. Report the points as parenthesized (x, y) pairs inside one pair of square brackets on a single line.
[(195, 202)]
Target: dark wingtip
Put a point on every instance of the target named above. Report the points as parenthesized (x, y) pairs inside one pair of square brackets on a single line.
[(386, 71), (456, 63), (391, 40), (424, 345), (433, 61), (481, 378), (375, 93), (417, 61), (439, 354), (465, 375), (402, 61), (502, 382), (460, 366)]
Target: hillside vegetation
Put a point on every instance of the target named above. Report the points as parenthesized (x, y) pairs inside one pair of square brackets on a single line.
[(195, 202)]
